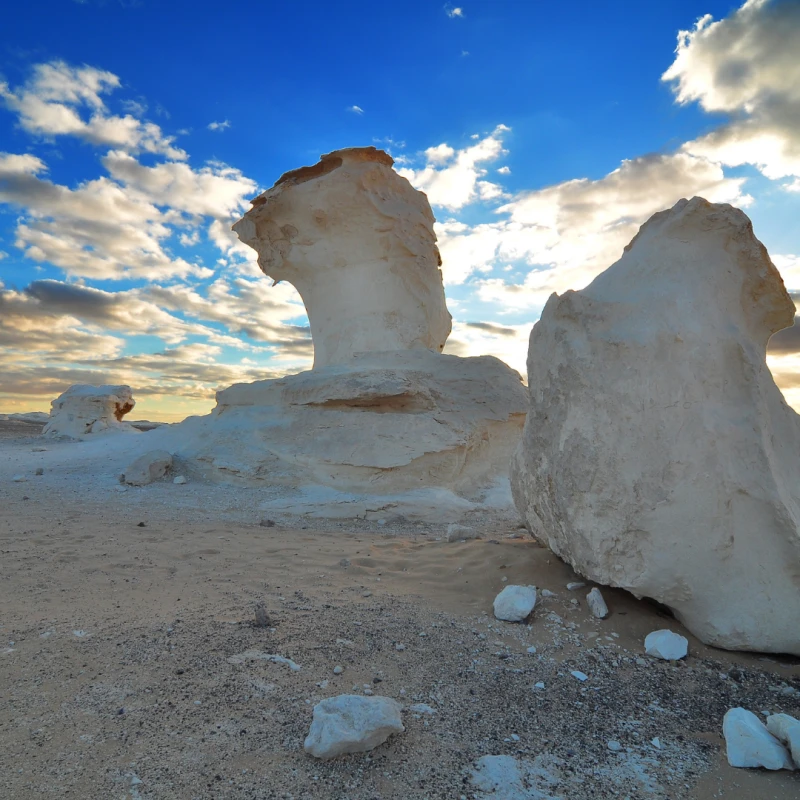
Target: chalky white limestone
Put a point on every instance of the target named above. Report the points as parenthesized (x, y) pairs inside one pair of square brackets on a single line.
[(350, 723), (84, 409), (658, 454), (515, 603), (750, 744)]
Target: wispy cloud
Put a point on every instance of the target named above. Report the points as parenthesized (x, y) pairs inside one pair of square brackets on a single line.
[(454, 12), (355, 109), (219, 126)]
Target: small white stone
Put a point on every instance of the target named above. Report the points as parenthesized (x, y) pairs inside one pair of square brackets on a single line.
[(750, 744), (597, 605), (538, 685), (180, 479), (615, 747), (581, 676), (399, 647), (337, 670), (457, 533), (531, 650), (323, 684), (19, 479), (422, 708), (352, 724), (548, 593), (515, 603), (575, 585), (656, 742), (666, 644)]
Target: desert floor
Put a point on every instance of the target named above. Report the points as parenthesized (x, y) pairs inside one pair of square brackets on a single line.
[(122, 613)]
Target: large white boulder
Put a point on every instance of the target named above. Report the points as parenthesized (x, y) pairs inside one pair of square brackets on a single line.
[(350, 723), (750, 744), (658, 453), (357, 242), (84, 408), (148, 468)]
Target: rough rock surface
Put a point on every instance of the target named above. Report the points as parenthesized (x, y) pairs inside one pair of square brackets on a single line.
[(750, 744), (515, 603), (659, 455), (383, 423), (357, 242), (150, 467), (786, 729), (350, 723), (86, 409)]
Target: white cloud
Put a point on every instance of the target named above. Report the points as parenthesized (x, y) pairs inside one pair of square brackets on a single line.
[(219, 126), (745, 66), (509, 343), (451, 177), (504, 171), (356, 109), (54, 101), (566, 234), (454, 12)]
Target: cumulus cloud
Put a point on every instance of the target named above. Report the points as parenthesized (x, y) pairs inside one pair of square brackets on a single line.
[(564, 235), (356, 109), (60, 100), (219, 126), (745, 66), (454, 12), (454, 178)]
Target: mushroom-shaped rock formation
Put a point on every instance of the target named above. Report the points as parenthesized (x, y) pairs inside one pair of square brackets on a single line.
[(384, 425), (658, 454), (84, 408), (357, 242)]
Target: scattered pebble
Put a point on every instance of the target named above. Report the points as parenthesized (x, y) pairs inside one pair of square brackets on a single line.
[(261, 617), (338, 670), (180, 479), (575, 585), (666, 645), (260, 655), (581, 676), (597, 605), (614, 747), (399, 647), (531, 650), (19, 479), (458, 533)]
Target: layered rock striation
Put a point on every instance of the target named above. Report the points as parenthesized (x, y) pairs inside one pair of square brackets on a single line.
[(658, 454)]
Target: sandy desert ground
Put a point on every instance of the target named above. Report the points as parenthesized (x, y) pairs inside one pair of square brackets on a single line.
[(122, 615)]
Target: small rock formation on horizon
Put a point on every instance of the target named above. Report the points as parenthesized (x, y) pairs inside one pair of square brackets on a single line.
[(384, 423), (658, 454), (84, 409), (356, 240)]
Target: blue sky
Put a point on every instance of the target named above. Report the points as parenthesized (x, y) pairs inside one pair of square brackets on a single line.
[(133, 133)]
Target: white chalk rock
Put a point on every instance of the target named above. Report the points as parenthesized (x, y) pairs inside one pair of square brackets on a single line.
[(658, 454), (787, 730), (597, 604), (180, 480), (515, 603), (457, 533), (750, 744), (352, 724), (351, 234), (667, 645), (84, 409), (150, 467)]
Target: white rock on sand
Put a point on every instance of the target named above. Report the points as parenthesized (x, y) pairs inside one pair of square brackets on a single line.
[(515, 603), (666, 645), (597, 604), (150, 467), (84, 409), (658, 454), (750, 744), (457, 533), (352, 724), (787, 730)]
